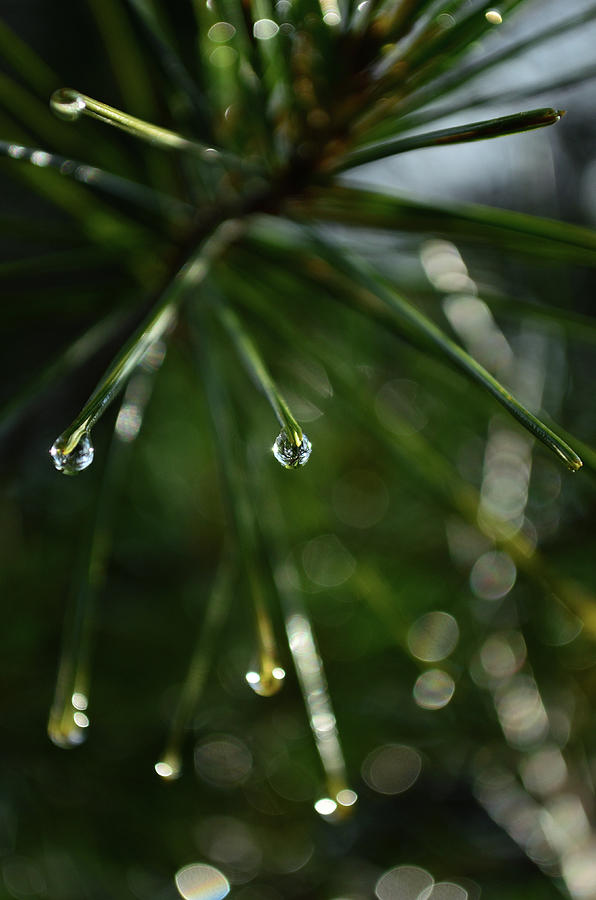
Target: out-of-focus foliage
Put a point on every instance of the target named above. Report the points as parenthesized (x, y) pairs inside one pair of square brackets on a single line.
[(422, 588)]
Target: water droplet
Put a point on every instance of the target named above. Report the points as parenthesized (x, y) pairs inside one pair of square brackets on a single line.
[(268, 681), (347, 797), (169, 768), (76, 459), (325, 806), (67, 104), (79, 700), (289, 454)]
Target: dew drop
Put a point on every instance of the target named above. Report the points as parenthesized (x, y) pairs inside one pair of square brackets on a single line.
[(325, 806), (288, 454), (67, 104), (77, 459), (268, 681), (169, 768)]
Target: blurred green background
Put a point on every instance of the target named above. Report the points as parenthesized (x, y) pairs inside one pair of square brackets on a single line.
[(460, 669)]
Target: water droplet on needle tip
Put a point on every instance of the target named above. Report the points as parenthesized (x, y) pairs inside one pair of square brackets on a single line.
[(169, 768), (75, 460), (267, 682), (289, 454), (68, 104)]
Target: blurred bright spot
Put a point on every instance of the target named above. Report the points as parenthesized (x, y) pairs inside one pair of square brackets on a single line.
[(360, 498), (264, 29), (226, 840), (40, 158), (22, 877), (346, 797), (128, 423), (201, 882), (327, 562), (79, 700), (503, 654), (392, 768), (445, 20), (325, 806), (544, 771), (253, 677), (403, 883), (433, 636), (399, 406), (223, 761), (560, 625), (565, 823), (473, 321), (444, 890), (579, 871), (493, 576), (465, 542), (521, 711), (439, 257), (332, 18), (493, 16), (222, 57), (507, 464), (167, 769), (221, 32), (278, 673), (434, 689), (81, 720)]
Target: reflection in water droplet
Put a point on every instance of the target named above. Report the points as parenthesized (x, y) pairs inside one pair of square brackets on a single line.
[(288, 454), (433, 636), (67, 104), (201, 882), (493, 16), (391, 769), (77, 459), (403, 883), (434, 689)]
